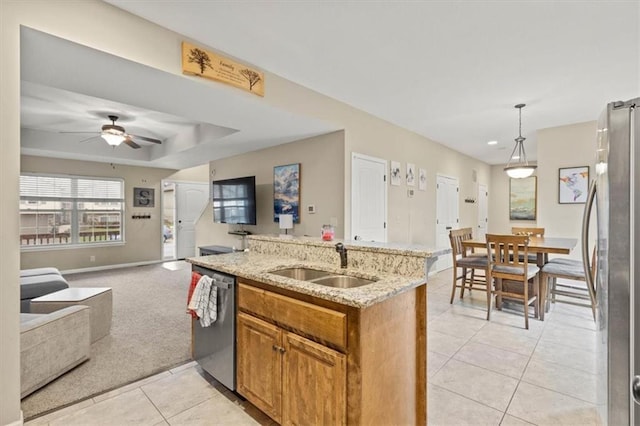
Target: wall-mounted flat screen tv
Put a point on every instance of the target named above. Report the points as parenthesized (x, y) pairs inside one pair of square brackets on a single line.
[(234, 201)]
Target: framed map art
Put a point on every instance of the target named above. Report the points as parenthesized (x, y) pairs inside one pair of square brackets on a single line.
[(573, 185)]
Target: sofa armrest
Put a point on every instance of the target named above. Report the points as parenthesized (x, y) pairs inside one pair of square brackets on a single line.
[(52, 344)]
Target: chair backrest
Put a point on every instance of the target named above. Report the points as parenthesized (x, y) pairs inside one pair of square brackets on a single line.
[(509, 251), (532, 232), (456, 237)]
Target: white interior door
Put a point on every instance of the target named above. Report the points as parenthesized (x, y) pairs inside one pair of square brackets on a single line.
[(191, 200), (483, 212), (368, 198), (446, 216)]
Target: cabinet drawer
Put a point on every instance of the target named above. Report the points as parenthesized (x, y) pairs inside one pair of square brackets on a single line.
[(325, 324)]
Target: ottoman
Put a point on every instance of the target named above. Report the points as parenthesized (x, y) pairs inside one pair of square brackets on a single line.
[(99, 299)]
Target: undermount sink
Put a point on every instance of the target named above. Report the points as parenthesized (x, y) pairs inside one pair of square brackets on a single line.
[(302, 274), (324, 278), (342, 281)]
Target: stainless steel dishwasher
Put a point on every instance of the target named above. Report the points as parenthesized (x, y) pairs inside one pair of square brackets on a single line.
[(214, 347)]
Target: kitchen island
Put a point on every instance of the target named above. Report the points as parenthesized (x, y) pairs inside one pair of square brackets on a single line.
[(313, 354)]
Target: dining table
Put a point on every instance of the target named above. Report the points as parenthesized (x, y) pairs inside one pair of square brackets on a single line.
[(542, 247)]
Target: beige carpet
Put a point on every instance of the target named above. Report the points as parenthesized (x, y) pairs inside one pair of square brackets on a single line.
[(150, 333)]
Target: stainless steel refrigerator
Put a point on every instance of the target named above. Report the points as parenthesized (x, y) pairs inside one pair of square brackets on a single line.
[(617, 197)]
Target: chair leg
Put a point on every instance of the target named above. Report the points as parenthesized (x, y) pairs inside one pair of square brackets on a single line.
[(464, 282), (455, 281), (489, 298), (499, 293), (536, 306), (526, 303), (553, 289)]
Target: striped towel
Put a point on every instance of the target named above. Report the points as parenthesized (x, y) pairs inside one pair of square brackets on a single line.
[(204, 301)]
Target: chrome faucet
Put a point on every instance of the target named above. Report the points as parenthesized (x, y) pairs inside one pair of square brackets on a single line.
[(340, 248)]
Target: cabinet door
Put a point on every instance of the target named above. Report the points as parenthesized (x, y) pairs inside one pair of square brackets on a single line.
[(314, 383), (259, 369)]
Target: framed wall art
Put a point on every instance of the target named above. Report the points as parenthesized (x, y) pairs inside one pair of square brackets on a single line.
[(286, 191), (523, 201), (143, 197), (411, 174), (573, 185), (422, 180), (395, 173)]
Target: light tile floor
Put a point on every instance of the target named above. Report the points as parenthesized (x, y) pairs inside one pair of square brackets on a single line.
[(480, 373)]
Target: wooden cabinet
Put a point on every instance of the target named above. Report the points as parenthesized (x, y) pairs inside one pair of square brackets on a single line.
[(283, 374), (314, 383), (309, 361), (259, 364)]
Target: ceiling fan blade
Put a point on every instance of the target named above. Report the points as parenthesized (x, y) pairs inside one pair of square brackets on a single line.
[(131, 143), (88, 139), (144, 138)]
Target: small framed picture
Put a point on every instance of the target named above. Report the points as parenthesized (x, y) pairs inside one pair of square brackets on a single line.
[(411, 174), (395, 173), (143, 197), (573, 185), (422, 180)]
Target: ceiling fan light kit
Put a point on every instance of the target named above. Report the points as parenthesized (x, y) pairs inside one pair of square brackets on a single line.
[(114, 135), (521, 169)]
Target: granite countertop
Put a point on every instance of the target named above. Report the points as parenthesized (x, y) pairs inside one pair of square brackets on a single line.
[(417, 250), (256, 266)]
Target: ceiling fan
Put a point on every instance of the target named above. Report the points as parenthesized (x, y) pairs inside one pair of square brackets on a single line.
[(114, 135)]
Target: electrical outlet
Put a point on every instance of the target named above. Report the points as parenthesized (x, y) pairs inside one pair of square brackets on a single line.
[(92, 258)]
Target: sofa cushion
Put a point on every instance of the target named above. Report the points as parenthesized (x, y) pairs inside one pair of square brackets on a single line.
[(39, 271), (39, 285)]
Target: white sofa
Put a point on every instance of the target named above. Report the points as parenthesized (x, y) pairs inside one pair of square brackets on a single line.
[(52, 344)]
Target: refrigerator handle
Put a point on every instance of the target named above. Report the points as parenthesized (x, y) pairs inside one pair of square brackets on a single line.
[(586, 261)]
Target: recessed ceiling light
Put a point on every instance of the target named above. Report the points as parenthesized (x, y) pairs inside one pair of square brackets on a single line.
[(492, 143)]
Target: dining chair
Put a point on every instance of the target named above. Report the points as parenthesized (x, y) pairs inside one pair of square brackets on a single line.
[(532, 232), (510, 268), (470, 262), (568, 269)]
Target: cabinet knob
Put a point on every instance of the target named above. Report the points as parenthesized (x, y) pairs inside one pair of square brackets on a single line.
[(278, 348)]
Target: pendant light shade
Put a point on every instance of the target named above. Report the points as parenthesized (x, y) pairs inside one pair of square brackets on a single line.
[(521, 168)]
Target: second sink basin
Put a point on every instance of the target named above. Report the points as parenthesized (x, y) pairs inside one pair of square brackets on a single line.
[(324, 278)]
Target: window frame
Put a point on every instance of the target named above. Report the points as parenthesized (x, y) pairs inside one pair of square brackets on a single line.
[(76, 212)]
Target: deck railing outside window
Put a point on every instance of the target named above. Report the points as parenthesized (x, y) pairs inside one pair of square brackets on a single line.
[(57, 210)]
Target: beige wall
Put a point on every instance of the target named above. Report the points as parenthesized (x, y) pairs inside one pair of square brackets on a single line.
[(409, 219), (321, 183), (143, 238), (565, 146)]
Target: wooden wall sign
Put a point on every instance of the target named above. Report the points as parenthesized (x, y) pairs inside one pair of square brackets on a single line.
[(200, 62)]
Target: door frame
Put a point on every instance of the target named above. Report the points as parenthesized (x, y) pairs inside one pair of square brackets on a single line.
[(437, 267), (176, 182), (486, 206), (355, 155)]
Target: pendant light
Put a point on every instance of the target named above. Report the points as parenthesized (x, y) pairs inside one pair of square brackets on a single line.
[(520, 169)]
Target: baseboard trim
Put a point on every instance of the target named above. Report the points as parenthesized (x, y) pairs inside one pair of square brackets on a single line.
[(107, 267)]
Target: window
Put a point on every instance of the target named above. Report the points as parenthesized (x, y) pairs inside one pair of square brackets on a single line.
[(70, 210)]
